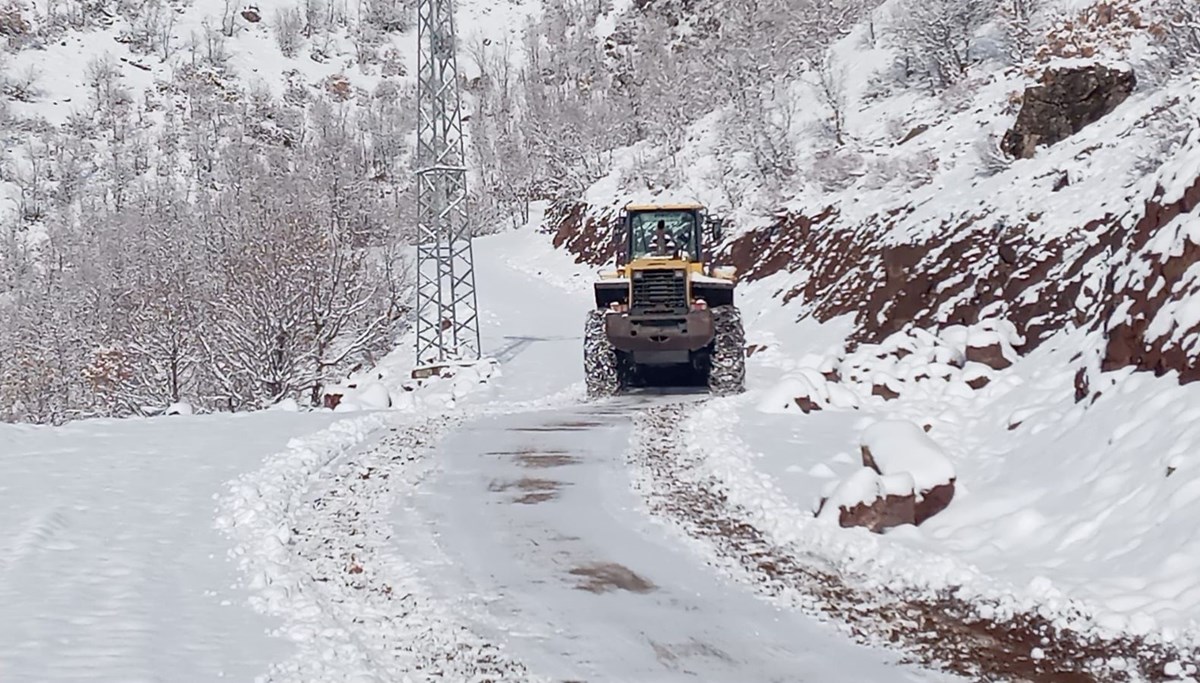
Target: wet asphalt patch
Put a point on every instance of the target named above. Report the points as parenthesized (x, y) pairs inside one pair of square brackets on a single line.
[(604, 577)]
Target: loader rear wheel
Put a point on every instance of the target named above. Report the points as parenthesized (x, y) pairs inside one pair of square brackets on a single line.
[(727, 362), (600, 364)]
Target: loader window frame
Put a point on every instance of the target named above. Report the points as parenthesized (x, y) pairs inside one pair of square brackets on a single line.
[(682, 224)]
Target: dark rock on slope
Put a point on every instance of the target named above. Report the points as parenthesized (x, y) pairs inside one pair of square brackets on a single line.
[(1067, 100)]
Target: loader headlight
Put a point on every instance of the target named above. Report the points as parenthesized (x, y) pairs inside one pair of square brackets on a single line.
[(637, 275), (680, 274)]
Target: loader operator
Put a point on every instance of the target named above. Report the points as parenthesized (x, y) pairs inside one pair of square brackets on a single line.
[(664, 242)]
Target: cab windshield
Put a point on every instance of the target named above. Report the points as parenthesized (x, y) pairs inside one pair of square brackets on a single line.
[(679, 234)]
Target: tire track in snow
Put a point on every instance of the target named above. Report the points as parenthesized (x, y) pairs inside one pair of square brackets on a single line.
[(33, 536), (942, 629)]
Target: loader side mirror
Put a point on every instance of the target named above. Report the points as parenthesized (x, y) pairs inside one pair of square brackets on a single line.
[(716, 228), (621, 238)]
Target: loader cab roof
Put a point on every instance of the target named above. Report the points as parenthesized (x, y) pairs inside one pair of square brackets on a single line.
[(664, 207)]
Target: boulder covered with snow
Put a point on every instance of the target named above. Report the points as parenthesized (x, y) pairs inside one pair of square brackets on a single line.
[(900, 447), (871, 500), (357, 396), (1067, 100), (287, 405), (805, 390)]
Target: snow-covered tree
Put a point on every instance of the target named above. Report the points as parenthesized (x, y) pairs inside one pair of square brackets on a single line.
[(939, 40)]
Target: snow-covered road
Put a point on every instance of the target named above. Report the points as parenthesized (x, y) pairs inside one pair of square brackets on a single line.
[(530, 530), (541, 534)]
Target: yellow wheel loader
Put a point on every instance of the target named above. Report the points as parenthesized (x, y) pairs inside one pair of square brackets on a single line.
[(665, 317)]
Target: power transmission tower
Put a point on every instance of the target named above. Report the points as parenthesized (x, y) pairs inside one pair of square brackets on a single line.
[(447, 310)]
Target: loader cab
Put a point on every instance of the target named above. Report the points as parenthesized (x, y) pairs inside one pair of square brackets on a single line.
[(683, 224)]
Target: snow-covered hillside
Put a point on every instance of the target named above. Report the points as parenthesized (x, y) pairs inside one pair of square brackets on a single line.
[(207, 201)]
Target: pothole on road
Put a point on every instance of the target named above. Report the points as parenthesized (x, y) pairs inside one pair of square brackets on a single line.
[(532, 490), (545, 459), (605, 577), (568, 426)]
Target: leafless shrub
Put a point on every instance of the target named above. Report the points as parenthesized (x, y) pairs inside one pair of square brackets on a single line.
[(12, 19), (992, 160), (837, 169), (20, 87), (939, 40), (288, 27)]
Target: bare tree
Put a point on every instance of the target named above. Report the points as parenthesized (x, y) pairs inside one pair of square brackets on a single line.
[(831, 87), (288, 27), (938, 40), (1179, 21), (1021, 21)]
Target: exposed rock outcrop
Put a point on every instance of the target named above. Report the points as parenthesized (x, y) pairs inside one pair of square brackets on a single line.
[(872, 501), (1066, 100), (885, 512), (991, 355), (905, 479)]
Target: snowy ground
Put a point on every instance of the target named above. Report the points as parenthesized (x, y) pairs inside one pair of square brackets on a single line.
[(110, 568), (539, 539)]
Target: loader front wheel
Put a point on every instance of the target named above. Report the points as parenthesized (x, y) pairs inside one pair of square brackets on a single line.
[(727, 361)]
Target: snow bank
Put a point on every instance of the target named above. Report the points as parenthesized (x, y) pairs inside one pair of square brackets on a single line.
[(356, 397)]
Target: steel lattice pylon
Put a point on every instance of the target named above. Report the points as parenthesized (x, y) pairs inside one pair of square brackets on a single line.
[(447, 310)]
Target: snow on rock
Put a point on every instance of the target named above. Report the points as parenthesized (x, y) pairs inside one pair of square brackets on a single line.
[(806, 390), (905, 479), (287, 405), (867, 499), (900, 446), (864, 486), (367, 396)]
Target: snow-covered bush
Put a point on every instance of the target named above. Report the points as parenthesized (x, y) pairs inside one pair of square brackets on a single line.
[(991, 159), (1021, 21), (836, 169), (12, 19), (388, 16), (1177, 25), (939, 40), (288, 26)]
